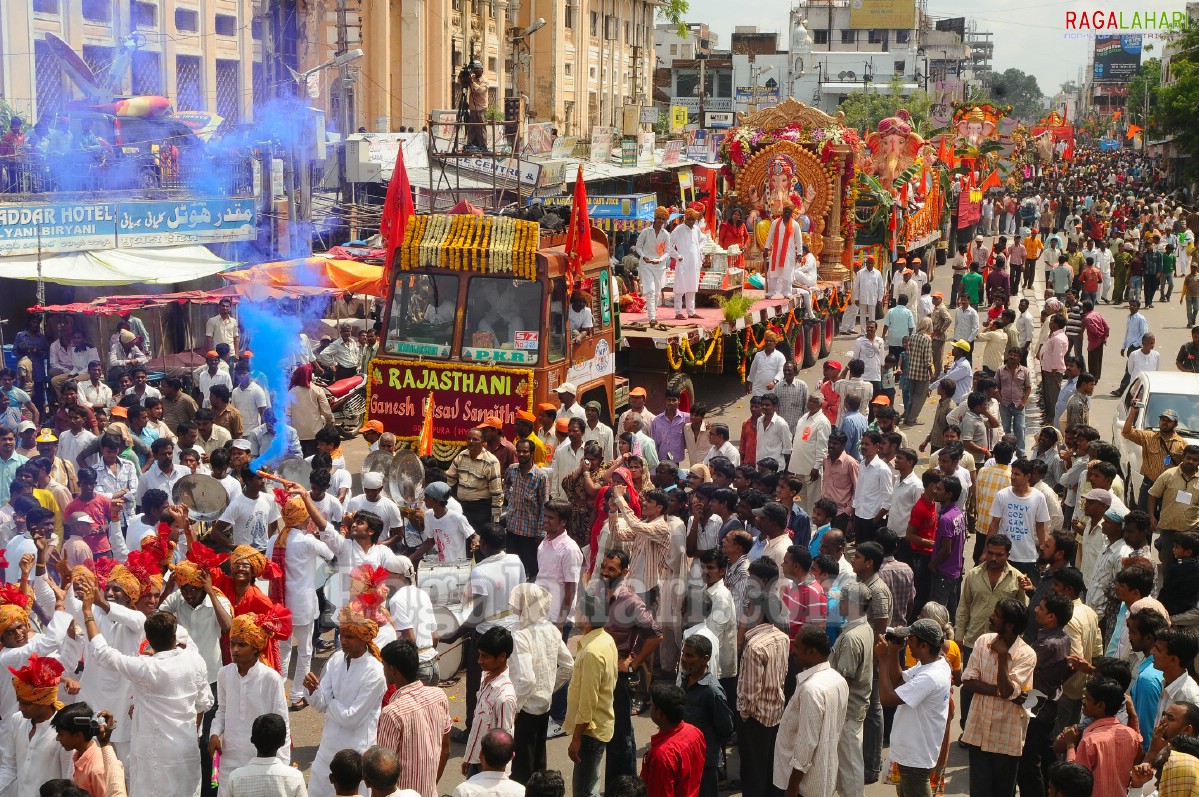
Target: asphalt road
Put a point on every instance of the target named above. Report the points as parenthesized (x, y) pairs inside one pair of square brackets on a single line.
[(727, 402)]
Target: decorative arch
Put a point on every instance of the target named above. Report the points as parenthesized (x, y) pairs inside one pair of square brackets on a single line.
[(811, 175)]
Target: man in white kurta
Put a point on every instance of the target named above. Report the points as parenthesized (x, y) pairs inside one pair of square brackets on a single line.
[(685, 247), (784, 248), (170, 693), (102, 688), (766, 369), (27, 643), (804, 280), (350, 695), (652, 253), (867, 293), (245, 690), (29, 750), (304, 556)]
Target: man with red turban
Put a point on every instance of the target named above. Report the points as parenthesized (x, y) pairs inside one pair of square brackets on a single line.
[(18, 642), (35, 755), (246, 689)]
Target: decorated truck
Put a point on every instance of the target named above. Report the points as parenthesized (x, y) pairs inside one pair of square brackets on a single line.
[(477, 325)]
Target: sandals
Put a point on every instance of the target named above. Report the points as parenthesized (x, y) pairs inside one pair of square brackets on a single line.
[(299, 705)]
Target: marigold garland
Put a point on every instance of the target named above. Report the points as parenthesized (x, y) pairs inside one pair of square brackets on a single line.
[(688, 357), (483, 244)]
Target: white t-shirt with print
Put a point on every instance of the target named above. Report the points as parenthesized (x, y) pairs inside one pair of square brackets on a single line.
[(450, 532), (1018, 518)]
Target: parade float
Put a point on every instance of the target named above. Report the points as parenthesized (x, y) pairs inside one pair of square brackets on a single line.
[(900, 207), (973, 154)]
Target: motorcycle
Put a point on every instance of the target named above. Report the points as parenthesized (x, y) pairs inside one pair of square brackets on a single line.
[(347, 400)]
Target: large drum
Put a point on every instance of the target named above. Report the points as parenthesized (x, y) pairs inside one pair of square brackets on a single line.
[(444, 582), (449, 656)]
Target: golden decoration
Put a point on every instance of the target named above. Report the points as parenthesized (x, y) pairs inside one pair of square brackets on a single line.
[(788, 112), (811, 173)]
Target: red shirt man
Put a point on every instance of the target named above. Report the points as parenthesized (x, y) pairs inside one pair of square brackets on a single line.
[(674, 764)]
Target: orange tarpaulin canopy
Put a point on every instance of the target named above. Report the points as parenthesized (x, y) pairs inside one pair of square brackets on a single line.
[(346, 275)]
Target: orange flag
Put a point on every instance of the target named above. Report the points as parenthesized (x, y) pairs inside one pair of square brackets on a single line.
[(578, 232), (424, 443), (992, 180), (1117, 115), (1133, 130)]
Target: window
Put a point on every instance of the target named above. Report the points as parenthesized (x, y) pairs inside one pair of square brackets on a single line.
[(876, 36), (902, 36), (187, 20), (187, 83), (97, 10), (900, 66), (568, 20), (45, 6), (674, 49), (628, 35), (422, 315), (849, 36), (595, 23), (820, 36), (568, 68), (499, 308), (228, 90), (724, 85), (557, 328), (147, 73), (256, 29), (145, 15), (226, 25)]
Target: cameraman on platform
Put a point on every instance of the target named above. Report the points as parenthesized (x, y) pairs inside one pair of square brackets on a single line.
[(472, 81)]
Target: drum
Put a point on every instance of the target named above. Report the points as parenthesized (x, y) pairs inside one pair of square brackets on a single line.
[(444, 582), (449, 656), (205, 497)]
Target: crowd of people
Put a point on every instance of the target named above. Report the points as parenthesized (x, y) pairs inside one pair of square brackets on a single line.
[(798, 607)]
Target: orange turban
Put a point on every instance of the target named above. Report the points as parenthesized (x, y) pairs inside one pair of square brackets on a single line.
[(189, 574), (356, 625), (37, 682), (250, 554), (124, 579), (11, 614), (257, 630), (295, 514)]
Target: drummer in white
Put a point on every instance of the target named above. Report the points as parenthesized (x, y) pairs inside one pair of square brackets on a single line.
[(412, 616), (449, 530), (373, 500)]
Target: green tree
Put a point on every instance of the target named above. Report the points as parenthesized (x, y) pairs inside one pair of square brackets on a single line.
[(1143, 91), (675, 12), (865, 109), (1019, 90), (1174, 113)]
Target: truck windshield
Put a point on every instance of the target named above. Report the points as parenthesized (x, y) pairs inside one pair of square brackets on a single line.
[(503, 320), (422, 315)]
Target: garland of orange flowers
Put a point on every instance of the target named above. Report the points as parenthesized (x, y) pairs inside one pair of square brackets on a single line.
[(483, 244), (688, 357)]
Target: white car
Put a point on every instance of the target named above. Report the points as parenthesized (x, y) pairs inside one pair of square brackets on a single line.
[(1154, 392)]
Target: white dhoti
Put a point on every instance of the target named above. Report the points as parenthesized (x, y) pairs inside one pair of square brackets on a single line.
[(778, 281), (1106, 290), (653, 277)]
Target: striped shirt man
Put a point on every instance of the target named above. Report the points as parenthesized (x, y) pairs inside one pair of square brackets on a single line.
[(495, 708), (527, 492), (760, 679), (416, 725)]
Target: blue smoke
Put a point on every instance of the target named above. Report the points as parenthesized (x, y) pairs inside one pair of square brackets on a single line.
[(274, 335)]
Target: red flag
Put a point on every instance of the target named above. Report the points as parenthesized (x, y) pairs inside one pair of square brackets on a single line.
[(397, 209), (578, 232), (951, 160), (992, 180)]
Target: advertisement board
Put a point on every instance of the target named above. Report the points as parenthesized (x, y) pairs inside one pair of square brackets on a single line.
[(463, 396), (617, 206), (718, 119), (893, 14), (678, 118), (1117, 58), (601, 144), (89, 225)]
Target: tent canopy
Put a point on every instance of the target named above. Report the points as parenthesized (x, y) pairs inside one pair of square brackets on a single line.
[(165, 266), (124, 305), (317, 272)]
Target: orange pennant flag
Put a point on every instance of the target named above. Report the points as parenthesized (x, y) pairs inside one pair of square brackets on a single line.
[(992, 180), (424, 443), (1133, 130), (1117, 115)]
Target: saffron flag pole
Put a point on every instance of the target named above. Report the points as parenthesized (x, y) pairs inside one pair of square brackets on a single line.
[(578, 233), (397, 209), (992, 181)]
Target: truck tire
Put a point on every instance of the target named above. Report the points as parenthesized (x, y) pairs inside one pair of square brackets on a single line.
[(682, 383), (809, 344), (828, 330)]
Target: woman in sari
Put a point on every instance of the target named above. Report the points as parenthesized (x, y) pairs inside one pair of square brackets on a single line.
[(597, 544), (581, 488), (734, 231)]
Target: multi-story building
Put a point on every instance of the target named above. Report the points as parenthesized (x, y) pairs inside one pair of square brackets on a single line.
[(200, 54), (587, 61)]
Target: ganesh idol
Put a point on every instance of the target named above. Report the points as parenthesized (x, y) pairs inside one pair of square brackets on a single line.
[(782, 188), (893, 147)]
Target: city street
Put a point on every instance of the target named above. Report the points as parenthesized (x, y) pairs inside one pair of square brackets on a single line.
[(728, 403)]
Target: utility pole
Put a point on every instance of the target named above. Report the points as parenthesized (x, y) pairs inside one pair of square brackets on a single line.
[(703, 85), (345, 120)]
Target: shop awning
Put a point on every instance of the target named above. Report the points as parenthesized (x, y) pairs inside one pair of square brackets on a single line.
[(123, 305), (317, 272), (165, 266)]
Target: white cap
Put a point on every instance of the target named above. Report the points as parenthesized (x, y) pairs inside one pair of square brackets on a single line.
[(567, 387), (372, 480), (26, 426), (241, 444), (81, 517)]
